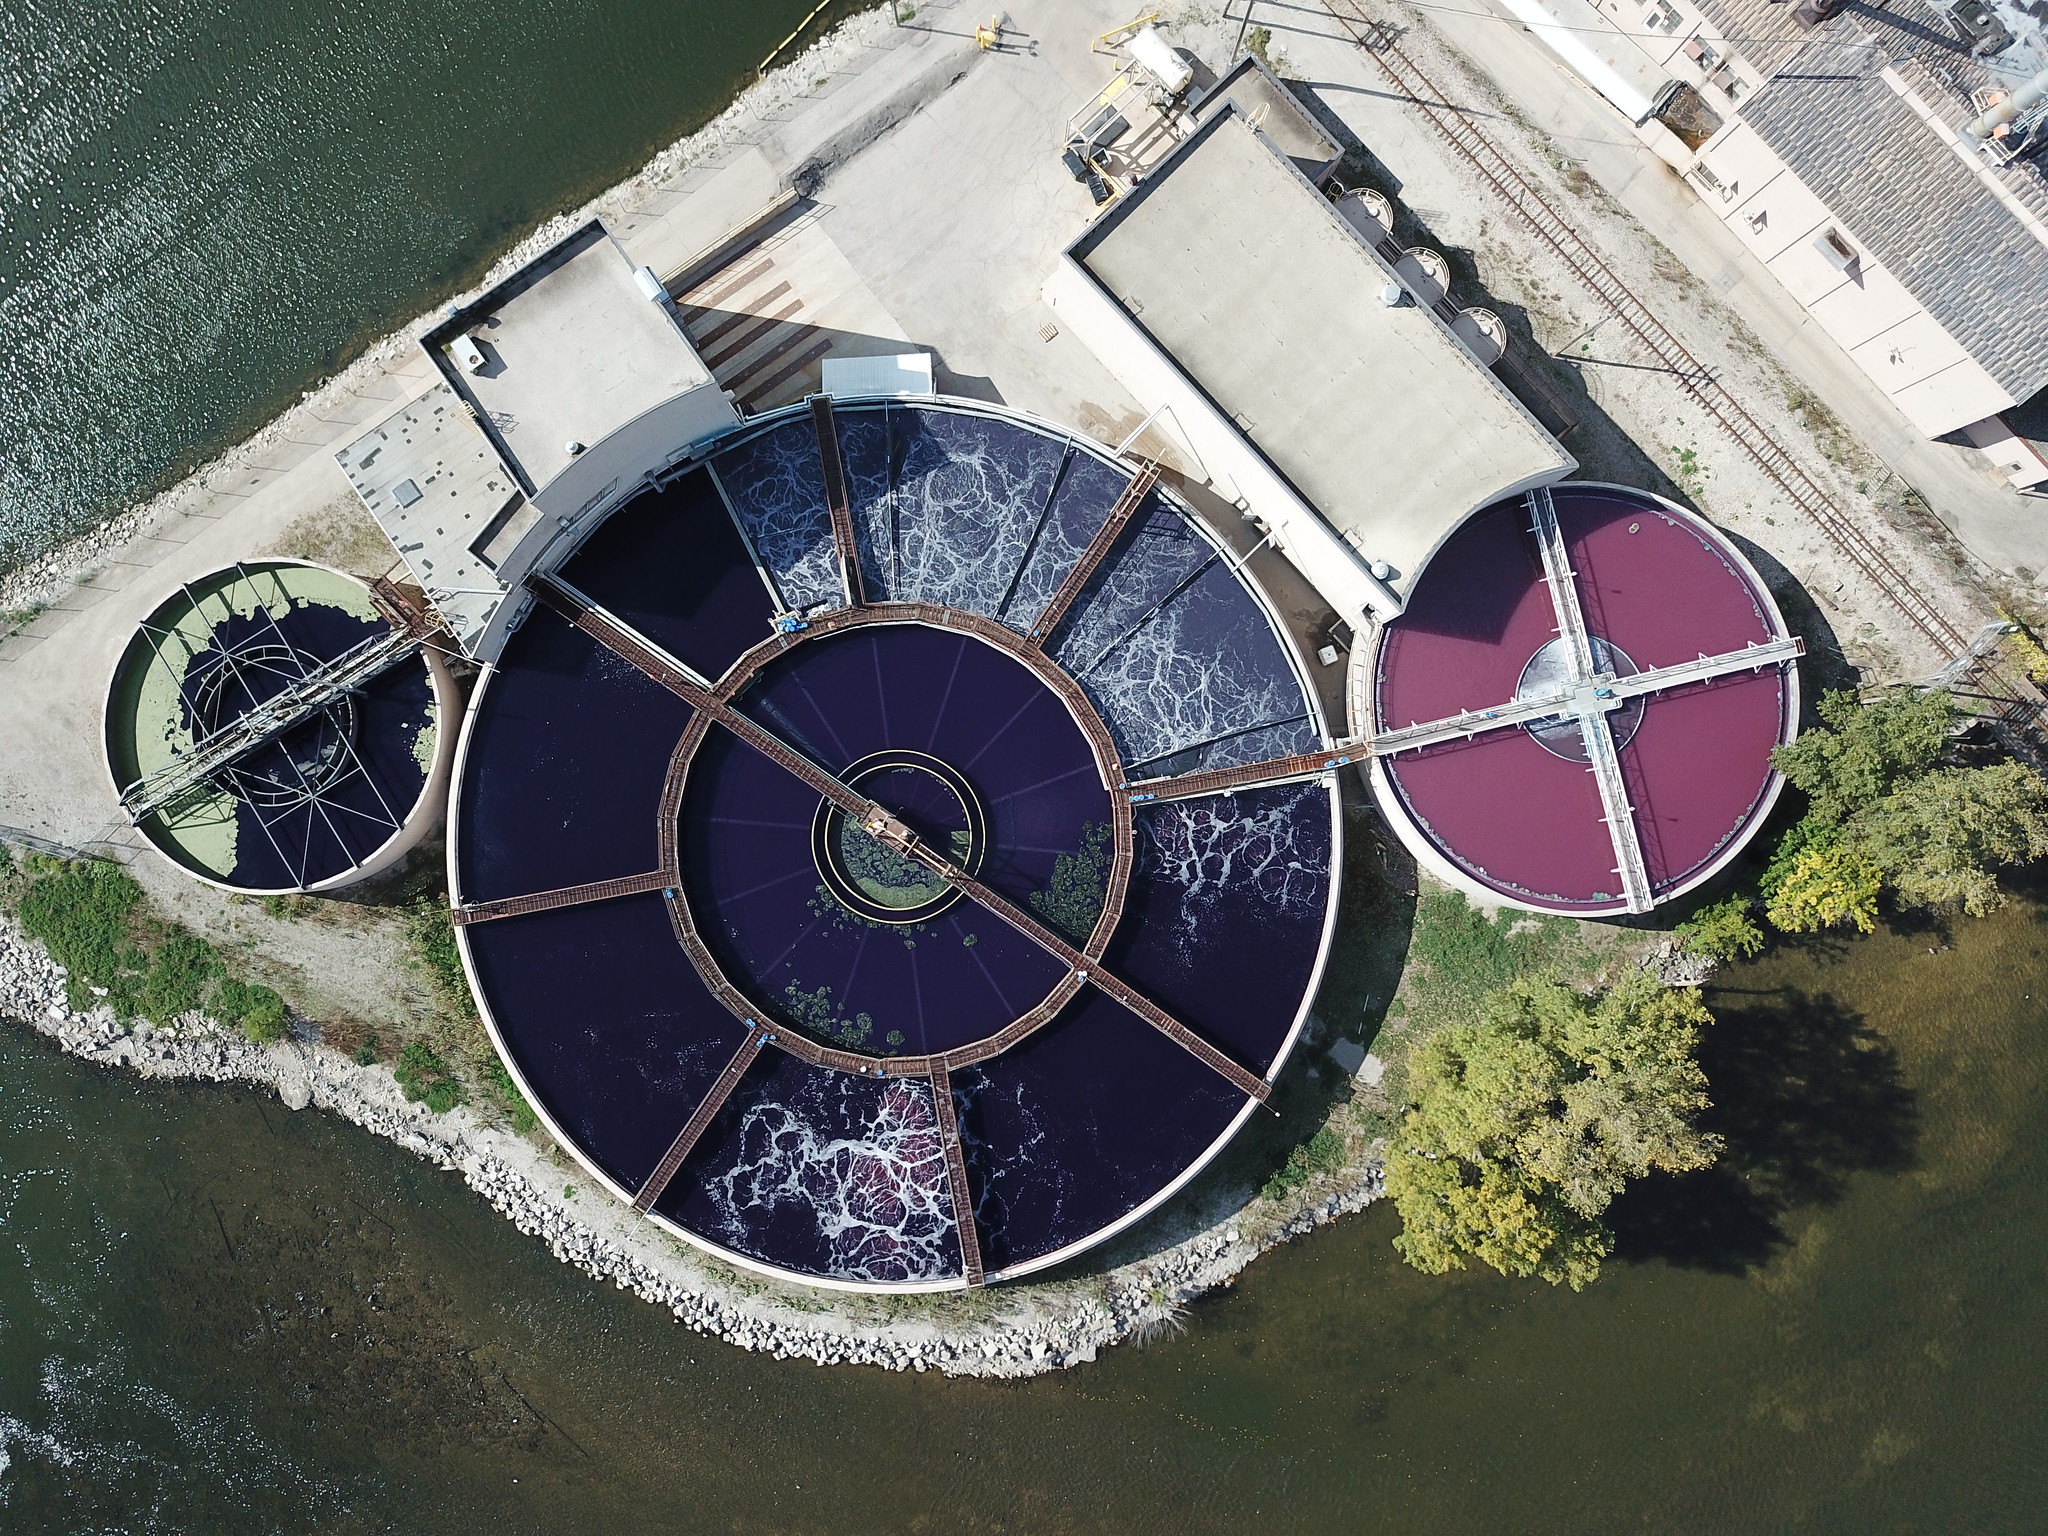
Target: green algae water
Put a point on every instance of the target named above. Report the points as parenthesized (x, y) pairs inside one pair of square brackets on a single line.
[(217, 1316), (208, 205)]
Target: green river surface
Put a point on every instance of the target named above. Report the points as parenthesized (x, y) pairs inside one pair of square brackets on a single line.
[(217, 1316), (206, 206)]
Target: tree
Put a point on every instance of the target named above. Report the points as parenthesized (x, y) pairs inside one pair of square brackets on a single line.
[(1828, 884), (1862, 750), (1886, 816), (1527, 1124), (1723, 931), (1941, 838)]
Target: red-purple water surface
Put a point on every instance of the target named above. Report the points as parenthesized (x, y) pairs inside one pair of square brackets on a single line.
[(1661, 588)]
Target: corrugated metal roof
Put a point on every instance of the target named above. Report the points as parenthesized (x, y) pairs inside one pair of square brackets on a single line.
[(1892, 179)]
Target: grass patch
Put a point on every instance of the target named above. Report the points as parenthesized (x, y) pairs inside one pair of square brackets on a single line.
[(1321, 1153), (1459, 956), (432, 934), (90, 918), (453, 1061), (518, 1113)]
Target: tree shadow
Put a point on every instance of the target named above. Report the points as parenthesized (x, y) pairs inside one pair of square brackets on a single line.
[(1806, 1095)]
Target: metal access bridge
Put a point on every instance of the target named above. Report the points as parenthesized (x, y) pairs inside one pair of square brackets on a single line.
[(314, 690)]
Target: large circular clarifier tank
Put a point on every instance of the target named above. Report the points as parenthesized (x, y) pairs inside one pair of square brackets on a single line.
[(1512, 807), (781, 1038), (342, 792)]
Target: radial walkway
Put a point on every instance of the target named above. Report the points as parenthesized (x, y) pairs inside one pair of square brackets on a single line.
[(956, 1174), (565, 896), (694, 1128), (1069, 590)]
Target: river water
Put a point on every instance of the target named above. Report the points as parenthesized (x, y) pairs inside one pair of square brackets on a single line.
[(218, 1316), (206, 206)]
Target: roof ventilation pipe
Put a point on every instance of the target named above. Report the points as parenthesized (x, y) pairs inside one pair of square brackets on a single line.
[(1393, 295), (2031, 94)]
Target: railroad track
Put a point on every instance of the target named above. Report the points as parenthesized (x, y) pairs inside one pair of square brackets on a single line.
[(2017, 703)]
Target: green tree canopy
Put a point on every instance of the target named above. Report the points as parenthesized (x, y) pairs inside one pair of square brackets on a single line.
[(1527, 1124), (1862, 750), (1886, 815), (1940, 838), (1827, 883)]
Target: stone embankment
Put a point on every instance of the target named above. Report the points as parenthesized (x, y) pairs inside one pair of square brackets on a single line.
[(1021, 1330)]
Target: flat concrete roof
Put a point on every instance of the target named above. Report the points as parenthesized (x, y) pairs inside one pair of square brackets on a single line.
[(1270, 304), (436, 487), (574, 351), (1276, 111)]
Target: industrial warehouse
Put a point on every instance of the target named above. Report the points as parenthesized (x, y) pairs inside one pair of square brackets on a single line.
[(894, 839)]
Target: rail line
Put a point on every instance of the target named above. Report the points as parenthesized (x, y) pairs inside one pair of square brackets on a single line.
[(2021, 703)]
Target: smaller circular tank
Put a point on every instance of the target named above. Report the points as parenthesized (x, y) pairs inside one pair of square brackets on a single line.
[(1588, 731), (321, 738)]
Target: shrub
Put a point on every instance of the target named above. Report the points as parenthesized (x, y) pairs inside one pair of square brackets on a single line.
[(1827, 886), (366, 1053), (1321, 1153), (1723, 931), (180, 973), (258, 1010), (425, 1078), (87, 915), (81, 913)]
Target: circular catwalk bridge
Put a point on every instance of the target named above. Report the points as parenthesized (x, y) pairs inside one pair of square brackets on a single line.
[(896, 851)]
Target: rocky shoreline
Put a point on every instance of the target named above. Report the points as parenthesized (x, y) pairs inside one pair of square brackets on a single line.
[(1012, 1331)]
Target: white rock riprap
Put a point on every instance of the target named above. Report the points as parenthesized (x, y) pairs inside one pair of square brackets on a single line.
[(1022, 1330)]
